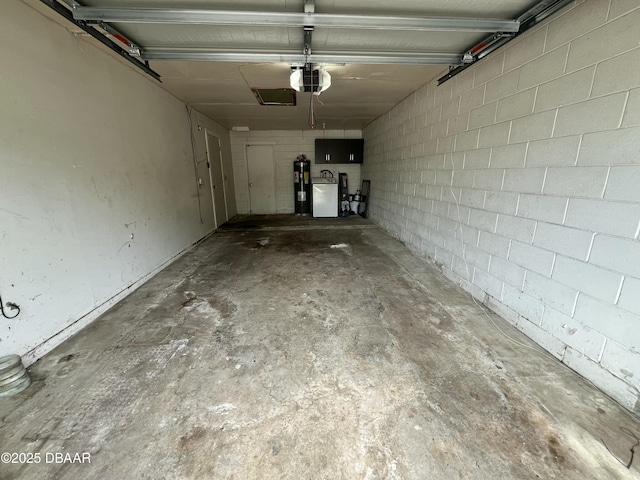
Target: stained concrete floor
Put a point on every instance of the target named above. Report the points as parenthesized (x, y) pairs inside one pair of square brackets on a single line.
[(309, 350)]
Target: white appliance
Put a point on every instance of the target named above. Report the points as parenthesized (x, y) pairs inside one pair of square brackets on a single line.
[(325, 197)]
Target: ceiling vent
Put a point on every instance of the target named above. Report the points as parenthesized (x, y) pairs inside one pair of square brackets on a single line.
[(283, 97)]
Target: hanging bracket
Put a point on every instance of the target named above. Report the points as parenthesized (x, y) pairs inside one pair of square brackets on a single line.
[(308, 33), (309, 8)]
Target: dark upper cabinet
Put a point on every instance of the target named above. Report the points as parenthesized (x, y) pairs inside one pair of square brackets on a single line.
[(353, 150), (329, 150)]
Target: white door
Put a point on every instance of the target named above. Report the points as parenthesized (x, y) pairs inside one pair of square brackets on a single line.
[(217, 180), (261, 169), (205, 197)]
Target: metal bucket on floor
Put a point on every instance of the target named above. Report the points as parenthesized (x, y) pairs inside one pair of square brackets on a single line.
[(14, 378)]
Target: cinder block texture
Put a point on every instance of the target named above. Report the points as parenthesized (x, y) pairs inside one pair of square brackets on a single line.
[(576, 181), (623, 361), (533, 259), (616, 254), (611, 147), (629, 296), (552, 293), (580, 118), (598, 282), (571, 332), (508, 156), (632, 111), (614, 218), (539, 145), (564, 90), (624, 184), (571, 242), (542, 207), (606, 41), (543, 69), (555, 152)]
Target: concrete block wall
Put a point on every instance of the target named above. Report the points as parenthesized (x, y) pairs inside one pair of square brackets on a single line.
[(520, 178), (287, 145)]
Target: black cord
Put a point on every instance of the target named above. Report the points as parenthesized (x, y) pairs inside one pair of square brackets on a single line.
[(12, 306), (628, 464)]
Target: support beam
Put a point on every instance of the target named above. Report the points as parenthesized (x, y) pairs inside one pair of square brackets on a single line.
[(203, 55), (276, 19)]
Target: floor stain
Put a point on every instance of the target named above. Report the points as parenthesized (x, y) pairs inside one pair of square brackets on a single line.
[(193, 436), (302, 362)]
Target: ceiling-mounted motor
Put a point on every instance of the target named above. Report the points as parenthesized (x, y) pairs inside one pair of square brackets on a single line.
[(304, 80)]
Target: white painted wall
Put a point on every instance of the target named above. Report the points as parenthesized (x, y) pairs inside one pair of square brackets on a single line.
[(288, 144), (540, 146), (98, 185)]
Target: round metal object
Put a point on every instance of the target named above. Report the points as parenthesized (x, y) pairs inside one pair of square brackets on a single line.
[(14, 378), (15, 389), (11, 372), (9, 362)]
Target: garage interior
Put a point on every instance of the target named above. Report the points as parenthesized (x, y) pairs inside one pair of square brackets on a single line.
[(178, 318)]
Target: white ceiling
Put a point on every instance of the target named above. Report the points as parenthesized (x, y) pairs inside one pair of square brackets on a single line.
[(359, 93)]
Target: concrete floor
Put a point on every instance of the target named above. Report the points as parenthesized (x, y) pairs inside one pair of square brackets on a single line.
[(288, 348)]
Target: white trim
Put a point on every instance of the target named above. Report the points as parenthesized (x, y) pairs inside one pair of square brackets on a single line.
[(208, 132)]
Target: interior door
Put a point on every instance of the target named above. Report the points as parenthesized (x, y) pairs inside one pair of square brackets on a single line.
[(261, 169), (205, 195), (217, 180)]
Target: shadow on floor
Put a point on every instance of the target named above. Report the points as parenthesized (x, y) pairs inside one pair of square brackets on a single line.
[(292, 221)]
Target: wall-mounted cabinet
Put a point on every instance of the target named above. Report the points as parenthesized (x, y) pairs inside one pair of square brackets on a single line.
[(340, 150)]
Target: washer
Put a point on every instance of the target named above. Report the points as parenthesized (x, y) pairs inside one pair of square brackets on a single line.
[(325, 197)]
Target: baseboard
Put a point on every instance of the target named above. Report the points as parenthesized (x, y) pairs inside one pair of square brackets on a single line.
[(86, 318)]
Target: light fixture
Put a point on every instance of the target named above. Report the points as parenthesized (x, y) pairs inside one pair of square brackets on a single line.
[(302, 79)]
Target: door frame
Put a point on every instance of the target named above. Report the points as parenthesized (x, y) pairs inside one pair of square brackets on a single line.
[(208, 132), (275, 169)]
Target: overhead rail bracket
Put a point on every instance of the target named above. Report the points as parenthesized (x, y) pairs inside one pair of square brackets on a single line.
[(130, 55), (530, 18)]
